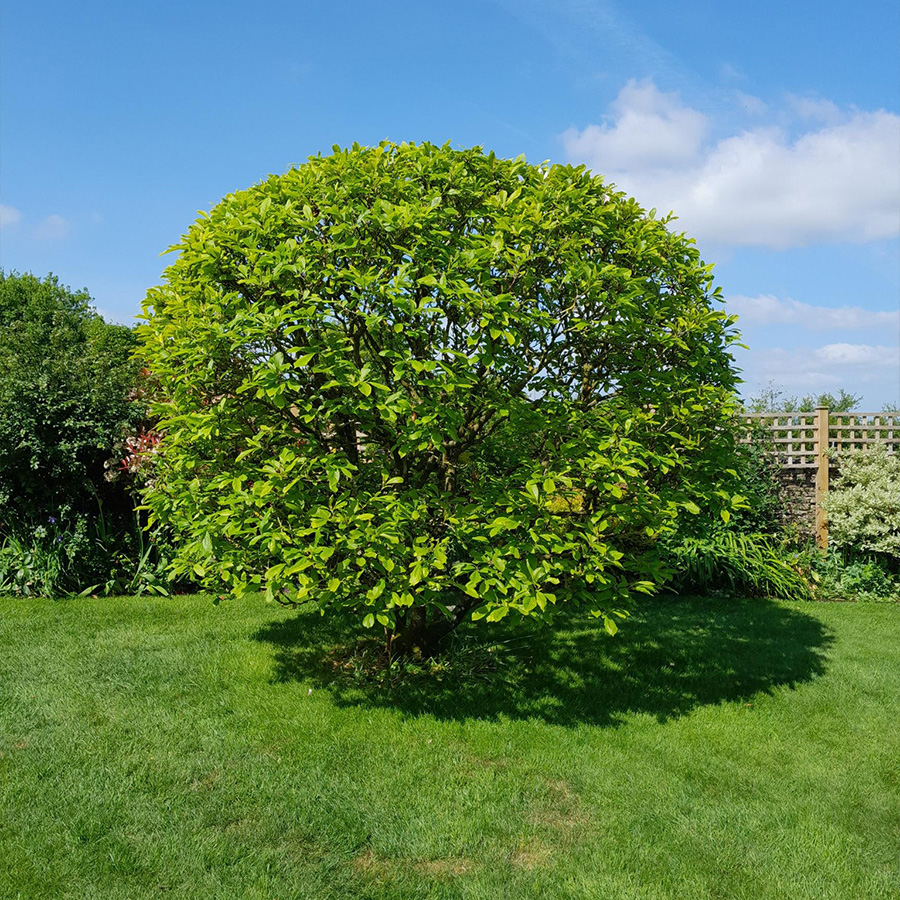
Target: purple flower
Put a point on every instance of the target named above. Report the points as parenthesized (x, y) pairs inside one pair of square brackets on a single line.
[(52, 520)]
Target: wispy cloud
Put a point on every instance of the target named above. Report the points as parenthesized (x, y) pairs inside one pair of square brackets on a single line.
[(838, 181), (597, 37), (769, 310), (875, 369), (9, 216), (815, 108), (752, 106), (53, 228)]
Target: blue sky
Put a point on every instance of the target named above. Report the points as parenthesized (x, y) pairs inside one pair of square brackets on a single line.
[(771, 129)]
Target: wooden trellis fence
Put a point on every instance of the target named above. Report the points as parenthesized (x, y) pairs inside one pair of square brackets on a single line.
[(815, 440)]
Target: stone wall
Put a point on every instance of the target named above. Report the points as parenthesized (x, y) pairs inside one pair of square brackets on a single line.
[(798, 495)]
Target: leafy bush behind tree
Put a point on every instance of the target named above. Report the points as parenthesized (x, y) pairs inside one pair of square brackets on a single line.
[(65, 387), (423, 384), (754, 552), (67, 402)]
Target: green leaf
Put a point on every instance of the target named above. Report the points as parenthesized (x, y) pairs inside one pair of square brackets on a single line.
[(471, 587)]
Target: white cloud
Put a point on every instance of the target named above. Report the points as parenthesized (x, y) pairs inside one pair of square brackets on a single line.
[(9, 216), (815, 108), (858, 355), (872, 370), (649, 130), (53, 228), (768, 310), (836, 182)]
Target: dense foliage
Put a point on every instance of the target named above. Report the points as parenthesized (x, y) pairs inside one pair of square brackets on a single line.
[(84, 554), (846, 574), (66, 378), (423, 383), (68, 410), (864, 503), (751, 554)]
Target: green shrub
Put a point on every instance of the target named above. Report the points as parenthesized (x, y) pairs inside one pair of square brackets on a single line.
[(380, 372), (757, 470), (29, 568), (69, 412), (847, 575), (66, 377), (863, 505), (749, 552), (867, 580)]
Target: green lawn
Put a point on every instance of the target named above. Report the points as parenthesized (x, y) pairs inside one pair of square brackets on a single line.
[(713, 749)]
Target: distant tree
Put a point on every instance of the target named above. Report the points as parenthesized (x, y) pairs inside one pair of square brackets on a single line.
[(425, 384), (844, 401), (773, 400), (65, 382)]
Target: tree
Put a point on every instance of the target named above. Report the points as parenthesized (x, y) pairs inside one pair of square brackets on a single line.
[(772, 400), (424, 384), (65, 381)]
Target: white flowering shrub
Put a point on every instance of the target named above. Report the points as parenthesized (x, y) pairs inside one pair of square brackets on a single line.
[(864, 505)]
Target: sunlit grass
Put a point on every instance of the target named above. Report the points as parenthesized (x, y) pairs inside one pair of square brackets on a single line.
[(168, 747)]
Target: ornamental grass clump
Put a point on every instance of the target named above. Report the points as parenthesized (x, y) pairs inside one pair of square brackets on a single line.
[(755, 565), (425, 385)]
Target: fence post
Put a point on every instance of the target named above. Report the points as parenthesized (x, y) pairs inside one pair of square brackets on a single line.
[(821, 476)]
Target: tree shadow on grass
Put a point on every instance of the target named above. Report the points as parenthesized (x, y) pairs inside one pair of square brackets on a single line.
[(672, 656)]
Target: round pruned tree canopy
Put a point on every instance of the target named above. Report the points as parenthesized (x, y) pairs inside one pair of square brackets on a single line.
[(425, 384)]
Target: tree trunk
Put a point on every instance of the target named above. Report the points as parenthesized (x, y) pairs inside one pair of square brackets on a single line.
[(424, 630)]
